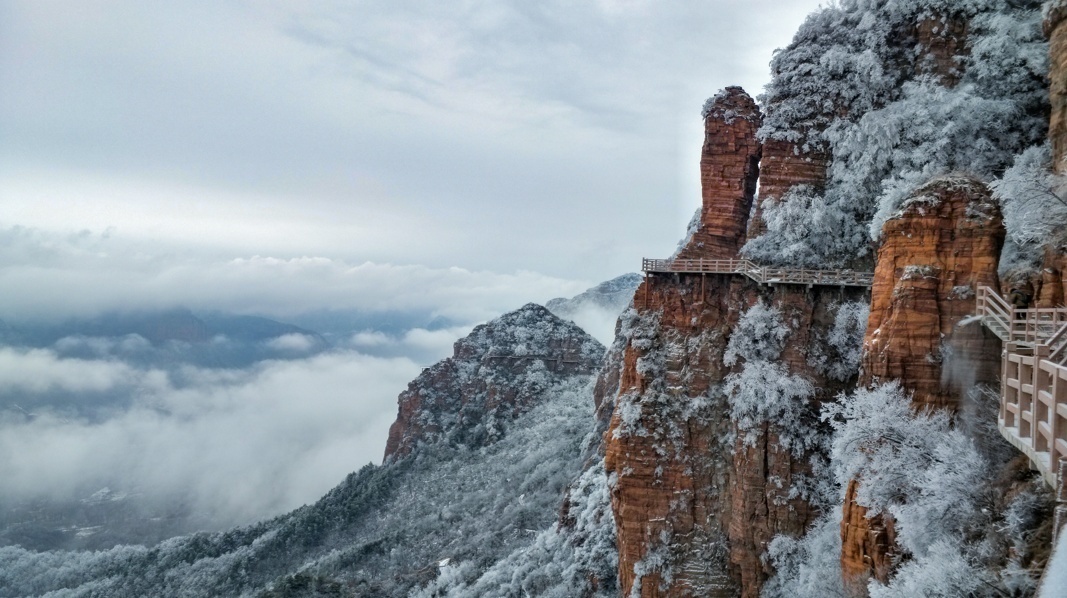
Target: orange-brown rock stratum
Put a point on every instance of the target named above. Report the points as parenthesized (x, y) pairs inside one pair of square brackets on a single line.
[(729, 171), (945, 241), (1056, 31), (700, 486)]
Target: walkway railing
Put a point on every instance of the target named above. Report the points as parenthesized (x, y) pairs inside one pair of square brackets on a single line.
[(1022, 325), (760, 274), (1033, 391)]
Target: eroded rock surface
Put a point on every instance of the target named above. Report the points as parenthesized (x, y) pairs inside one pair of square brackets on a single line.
[(495, 373), (1056, 31), (729, 171), (945, 242)]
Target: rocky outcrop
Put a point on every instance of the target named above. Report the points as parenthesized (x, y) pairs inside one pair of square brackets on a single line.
[(945, 242), (786, 165), (496, 373), (1056, 31), (1048, 287), (942, 43), (698, 493), (729, 171)]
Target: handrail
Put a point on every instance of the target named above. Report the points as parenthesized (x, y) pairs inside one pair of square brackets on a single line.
[(1057, 343), (1033, 392), (760, 274), (1034, 326)]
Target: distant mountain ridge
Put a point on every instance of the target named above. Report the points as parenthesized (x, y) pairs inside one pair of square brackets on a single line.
[(157, 327), (510, 411), (613, 295)]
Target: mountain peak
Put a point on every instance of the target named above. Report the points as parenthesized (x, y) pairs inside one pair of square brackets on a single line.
[(497, 372)]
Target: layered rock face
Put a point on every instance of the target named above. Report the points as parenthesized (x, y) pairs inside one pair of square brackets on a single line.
[(786, 165), (729, 171), (1049, 289), (943, 40), (934, 255), (698, 494), (1056, 31), (495, 374)]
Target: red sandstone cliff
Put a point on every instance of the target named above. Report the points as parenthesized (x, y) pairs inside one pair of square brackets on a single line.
[(696, 497), (945, 242)]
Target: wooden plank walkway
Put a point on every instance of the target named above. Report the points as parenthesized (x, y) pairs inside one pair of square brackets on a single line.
[(1033, 381), (758, 273)]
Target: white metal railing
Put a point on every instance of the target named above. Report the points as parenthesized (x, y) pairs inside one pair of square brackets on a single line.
[(760, 274)]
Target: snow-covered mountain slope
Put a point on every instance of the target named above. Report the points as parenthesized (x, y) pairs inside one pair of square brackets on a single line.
[(486, 485)]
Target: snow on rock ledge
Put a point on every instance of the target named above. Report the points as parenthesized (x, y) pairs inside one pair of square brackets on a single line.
[(499, 371)]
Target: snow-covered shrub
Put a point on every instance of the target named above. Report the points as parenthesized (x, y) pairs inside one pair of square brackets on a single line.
[(1033, 200), (913, 465), (931, 130), (655, 561), (944, 572), (848, 86), (765, 392), (559, 562), (690, 230), (919, 468), (835, 65), (838, 356), (759, 335), (809, 567), (808, 230)]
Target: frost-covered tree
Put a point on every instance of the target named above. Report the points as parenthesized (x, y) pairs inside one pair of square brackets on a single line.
[(808, 567), (920, 469), (838, 355), (852, 86), (913, 465), (808, 229), (764, 391), (1034, 203)]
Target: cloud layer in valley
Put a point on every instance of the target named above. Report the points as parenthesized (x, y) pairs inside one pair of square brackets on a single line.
[(235, 444)]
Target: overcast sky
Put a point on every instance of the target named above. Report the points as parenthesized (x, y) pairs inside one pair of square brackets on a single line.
[(453, 159), (551, 141)]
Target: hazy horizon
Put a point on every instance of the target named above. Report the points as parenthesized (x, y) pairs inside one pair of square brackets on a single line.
[(282, 159)]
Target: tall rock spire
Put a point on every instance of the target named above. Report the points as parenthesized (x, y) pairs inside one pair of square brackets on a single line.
[(729, 171)]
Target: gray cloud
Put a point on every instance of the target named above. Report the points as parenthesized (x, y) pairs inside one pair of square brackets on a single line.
[(39, 371), (59, 276), (239, 445), (552, 136)]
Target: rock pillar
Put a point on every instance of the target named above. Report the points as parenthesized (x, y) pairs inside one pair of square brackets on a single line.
[(945, 243), (729, 171)]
